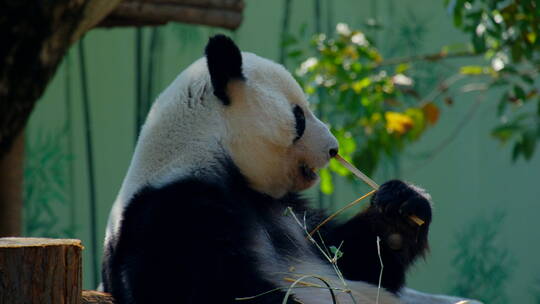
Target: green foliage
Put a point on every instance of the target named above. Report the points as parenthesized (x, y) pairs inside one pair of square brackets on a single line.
[(482, 265), (363, 102), (377, 107), (46, 181), (507, 33)]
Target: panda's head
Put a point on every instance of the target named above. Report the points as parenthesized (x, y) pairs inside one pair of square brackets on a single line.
[(230, 103), (271, 134)]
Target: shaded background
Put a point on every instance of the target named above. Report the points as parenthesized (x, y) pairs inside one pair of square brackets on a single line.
[(484, 203)]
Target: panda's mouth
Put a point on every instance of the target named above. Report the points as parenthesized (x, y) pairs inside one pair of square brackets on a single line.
[(307, 172)]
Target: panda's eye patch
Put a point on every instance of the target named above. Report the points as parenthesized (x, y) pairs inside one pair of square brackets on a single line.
[(300, 122)]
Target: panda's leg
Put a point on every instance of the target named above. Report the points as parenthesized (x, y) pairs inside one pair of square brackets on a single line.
[(402, 240)]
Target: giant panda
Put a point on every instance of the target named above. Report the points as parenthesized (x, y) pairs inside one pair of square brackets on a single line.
[(200, 217)]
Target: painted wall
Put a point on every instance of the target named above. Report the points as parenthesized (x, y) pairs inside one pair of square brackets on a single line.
[(470, 177)]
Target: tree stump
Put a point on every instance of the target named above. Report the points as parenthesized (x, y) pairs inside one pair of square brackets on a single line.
[(38, 270)]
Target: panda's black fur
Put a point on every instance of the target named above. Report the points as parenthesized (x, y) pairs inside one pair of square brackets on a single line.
[(188, 241), (224, 64)]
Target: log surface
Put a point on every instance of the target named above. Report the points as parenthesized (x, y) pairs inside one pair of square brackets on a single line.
[(38, 270), (96, 297)]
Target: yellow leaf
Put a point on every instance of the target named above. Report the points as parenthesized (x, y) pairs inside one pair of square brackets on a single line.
[(531, 36), (397, 122)]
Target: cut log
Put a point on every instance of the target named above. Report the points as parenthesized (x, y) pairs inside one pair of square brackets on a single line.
[(38, 270)]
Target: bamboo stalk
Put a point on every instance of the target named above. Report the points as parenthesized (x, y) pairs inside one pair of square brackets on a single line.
[(370, 182), (349, 205), (357, 172)]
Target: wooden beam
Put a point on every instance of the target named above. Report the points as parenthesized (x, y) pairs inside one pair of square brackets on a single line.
[(130, 13), (233, 5)]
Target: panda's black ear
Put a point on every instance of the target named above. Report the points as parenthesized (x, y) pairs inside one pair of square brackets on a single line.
[(224, 62)]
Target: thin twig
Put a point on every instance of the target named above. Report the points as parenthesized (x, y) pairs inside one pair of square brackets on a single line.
[(357, 172), (349, 205), (289, 290), (440, 89), (382, 268), (312, 240), (453, 135), (427, 57), (368, 181)]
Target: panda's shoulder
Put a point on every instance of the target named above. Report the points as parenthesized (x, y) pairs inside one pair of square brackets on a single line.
[(179, 203)]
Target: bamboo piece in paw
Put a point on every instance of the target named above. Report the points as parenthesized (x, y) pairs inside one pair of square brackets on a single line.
[(370, 182)]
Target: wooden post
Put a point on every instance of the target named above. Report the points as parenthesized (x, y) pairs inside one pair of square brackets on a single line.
[(38, 270), (11, 189)]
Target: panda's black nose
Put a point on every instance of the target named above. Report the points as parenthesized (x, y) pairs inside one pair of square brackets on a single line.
[(333, 152)]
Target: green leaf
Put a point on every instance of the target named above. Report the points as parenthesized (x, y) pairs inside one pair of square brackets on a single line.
[(517, 52), (289, 40), (479, 44), (506, 131), (456, 47), (326, 181), (516, 151), (471, 70), (361, 84), (336, 167), (367, 159), (501, 107), (402, 68), (294, 53), (528, 144), (336, 252), (528, 79), (458, 18), (519, 92)]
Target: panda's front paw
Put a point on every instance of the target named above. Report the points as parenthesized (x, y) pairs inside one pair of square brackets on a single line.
[(398, 200)]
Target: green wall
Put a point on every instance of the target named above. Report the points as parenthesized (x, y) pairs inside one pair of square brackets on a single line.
[(472, 176)]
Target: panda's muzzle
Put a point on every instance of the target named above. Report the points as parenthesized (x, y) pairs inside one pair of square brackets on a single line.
[(307, 172)]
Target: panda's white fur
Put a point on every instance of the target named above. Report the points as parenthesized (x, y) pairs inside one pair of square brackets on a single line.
[(181, 134)]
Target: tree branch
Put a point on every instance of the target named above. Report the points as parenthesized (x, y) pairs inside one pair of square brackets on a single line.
[(225, 14), (427, 57)]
